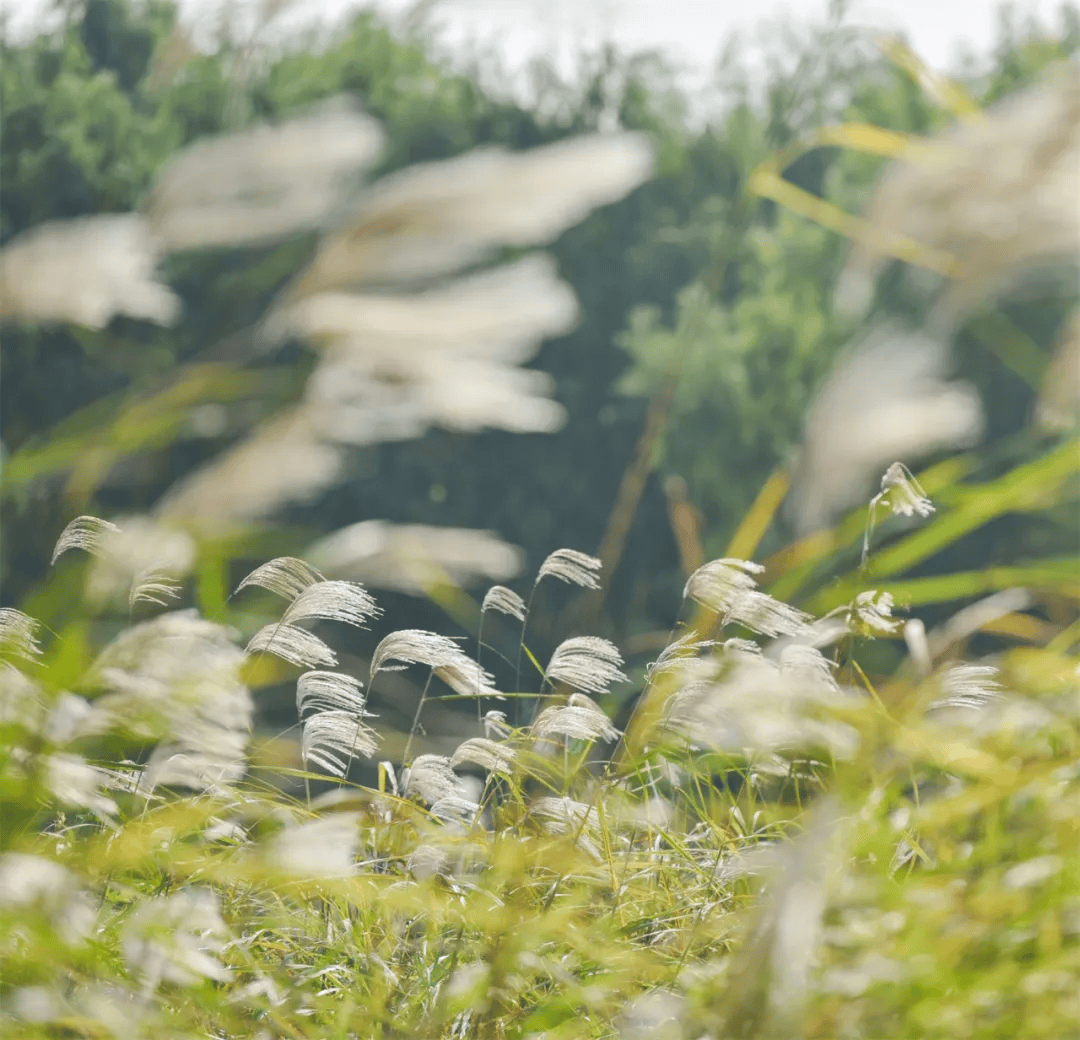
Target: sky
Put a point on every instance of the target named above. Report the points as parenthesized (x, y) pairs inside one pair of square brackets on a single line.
[(691, 32)]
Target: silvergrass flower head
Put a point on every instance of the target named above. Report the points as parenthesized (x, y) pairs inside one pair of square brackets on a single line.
[(995, 195), (212, 767), (344, 601), (329, 691), (656, 1015), (1033, 872), (580, 719), (571, 566), (22, 700), (808, 666), (292, 644), (430, 778), (74, 782), (871, 614), (427, 861), (29, 881), (903, 493), (68, 718), (747, 705), (501, 315), (435, 218), (888, 399), (449, 662), (495, 725), (487, 754), (414, 646), (18, 634), (258, 185), (773, 969), (175, 679), (968, 686), (455, 809), (586, 663), (285, 576), (321, 848), (85, 271), (176, 939), (140, 558), (766, 616), (719, 583), (411, 558), (505, 601), (571, 818), (285, 460), (332, 739), (84, 532)]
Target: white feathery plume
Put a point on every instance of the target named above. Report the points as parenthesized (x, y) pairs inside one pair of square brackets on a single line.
[(903, 493), (177, 939), (455, 809), (772, 972), (176, 679), (285, 576), (139, 558), (431, 778), (809, 667), (502, 314), (344, 601), (495, 724), (571, 818), (571, 566), (329, 691), (766, 616), (504, 600), (201, 769), (332, 739), (153, 586), (321, 848), (292, 644), (967, 686), (465, 677), (67, 718), (719, 583), (414, 646), (871, 614), (996, 193), (745, 703), (354, 399), (84, 532), (487, 754), (971, 618), (18, 634), (262, 184), (586, 663), (449, 662), (21, 698), (580, 719), (74, 782), (433, 218), (411, 558), (426, 861), (27, 880), (85, 271), (284, 460), (887, 400)]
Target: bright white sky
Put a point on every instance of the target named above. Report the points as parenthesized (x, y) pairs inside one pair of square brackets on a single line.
[(690, 31)]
